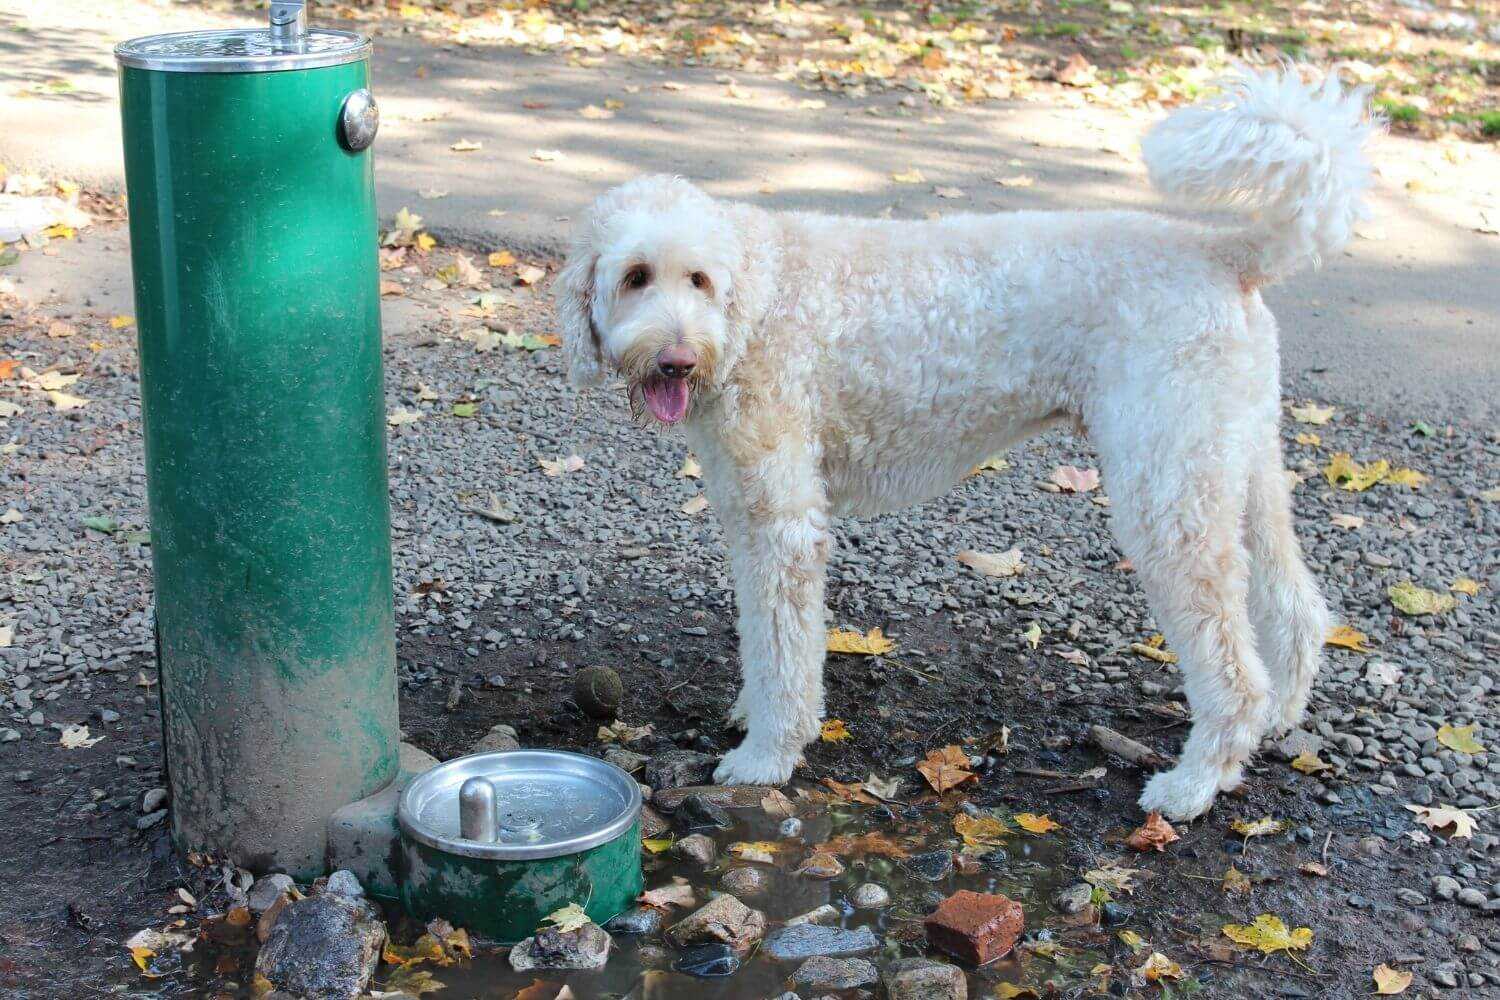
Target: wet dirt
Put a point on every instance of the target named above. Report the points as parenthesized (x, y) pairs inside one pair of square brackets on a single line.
[(84, 878)]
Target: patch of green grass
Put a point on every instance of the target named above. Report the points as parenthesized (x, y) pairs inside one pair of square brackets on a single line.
[(1405, 114), (1130, 52), (1206, 42), (1063, 29), (1489, 124)]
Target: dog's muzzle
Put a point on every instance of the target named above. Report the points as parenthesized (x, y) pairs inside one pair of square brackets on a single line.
[(666, 390)]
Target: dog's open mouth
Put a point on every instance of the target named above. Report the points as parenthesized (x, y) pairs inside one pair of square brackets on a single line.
[(666, 398)]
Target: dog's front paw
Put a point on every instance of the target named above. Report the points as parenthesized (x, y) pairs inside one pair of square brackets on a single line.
[(1179, 794), (751, 765)]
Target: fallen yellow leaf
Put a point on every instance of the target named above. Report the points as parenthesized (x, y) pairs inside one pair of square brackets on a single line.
[(1464, 585), (1159, 966), (1269, 934), (1033, 823), (501, 258), (1460, 738), (119, 322), (656, 845), (1389, 981), (1309, 762), (1312, 413), (981, 831), (1257, 828), (1406, 477), (569, 918), (1409, 599), (834, 731), (912, 176), (871, 643), (1310, 439), (1132, 940), (1348, 638), (1154, 649)]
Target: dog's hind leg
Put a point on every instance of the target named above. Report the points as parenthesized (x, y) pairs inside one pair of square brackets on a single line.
[(1176, 514), (1291, 620)]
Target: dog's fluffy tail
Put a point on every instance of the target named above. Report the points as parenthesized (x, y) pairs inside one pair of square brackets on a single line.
[(1289, 152)]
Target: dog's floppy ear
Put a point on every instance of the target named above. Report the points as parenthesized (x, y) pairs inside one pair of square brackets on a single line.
[(575, 313)]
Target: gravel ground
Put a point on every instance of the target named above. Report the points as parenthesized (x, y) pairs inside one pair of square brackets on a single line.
[(569, 562)]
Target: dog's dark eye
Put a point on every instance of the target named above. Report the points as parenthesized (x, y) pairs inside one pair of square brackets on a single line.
[(637, 277), (701, 282)]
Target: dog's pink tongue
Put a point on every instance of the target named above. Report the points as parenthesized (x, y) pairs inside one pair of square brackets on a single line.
[(667, 399)]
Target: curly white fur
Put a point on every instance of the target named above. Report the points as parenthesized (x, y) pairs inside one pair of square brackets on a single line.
[(853, 367)]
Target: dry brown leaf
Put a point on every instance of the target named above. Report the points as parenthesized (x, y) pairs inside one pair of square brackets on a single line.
[(1007, 563), (1071, 479), (946, 769), (1443, 816), (1153, 835)]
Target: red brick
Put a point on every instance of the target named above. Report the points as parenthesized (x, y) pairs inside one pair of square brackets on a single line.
[(977, 927)]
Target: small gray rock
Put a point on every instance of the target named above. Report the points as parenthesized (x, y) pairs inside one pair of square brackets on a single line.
[(266, 891), (344, 883), (869, 896), (790, 828), (1445, 887), (1471, 897), (149, 820), (1074, 898), (747, 883), (624, 759), (822, 973), (153, 799), (500, 737), (827, 914), (584, 948), (1411, 897), (324, 947), (638, 920), (697, 848)]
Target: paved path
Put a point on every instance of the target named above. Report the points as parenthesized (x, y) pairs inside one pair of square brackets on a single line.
[(1406, 323)]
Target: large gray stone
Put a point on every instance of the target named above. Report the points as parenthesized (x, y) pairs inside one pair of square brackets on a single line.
[(676, 768), (722, 919), (584, 948), (924, 979), (324, 947), (822, 973), (797, 941)]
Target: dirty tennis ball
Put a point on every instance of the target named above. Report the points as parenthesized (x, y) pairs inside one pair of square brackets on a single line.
[(598, 691)]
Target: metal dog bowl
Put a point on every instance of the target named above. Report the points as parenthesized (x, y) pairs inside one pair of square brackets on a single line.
[(494, 842)]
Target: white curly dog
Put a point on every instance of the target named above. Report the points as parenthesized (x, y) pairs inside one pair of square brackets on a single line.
[(825, 367)]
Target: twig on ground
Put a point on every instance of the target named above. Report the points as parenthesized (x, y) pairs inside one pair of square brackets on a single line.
[(1126, 748)]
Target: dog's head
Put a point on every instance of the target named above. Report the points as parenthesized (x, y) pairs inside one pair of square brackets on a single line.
[(651, 291)]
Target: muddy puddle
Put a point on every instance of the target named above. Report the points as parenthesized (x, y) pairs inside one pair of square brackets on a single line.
[(905, 850)]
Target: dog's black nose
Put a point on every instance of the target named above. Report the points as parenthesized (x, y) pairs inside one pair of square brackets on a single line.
[(677, 361)]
